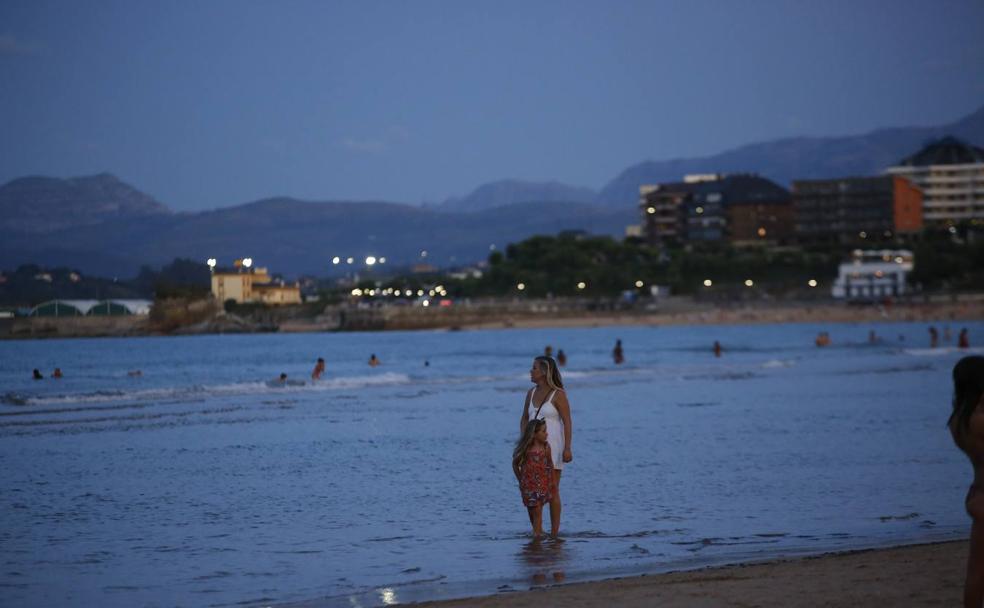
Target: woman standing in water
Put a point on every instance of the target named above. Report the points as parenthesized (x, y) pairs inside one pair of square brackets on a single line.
[(547, 400), (967, 427)]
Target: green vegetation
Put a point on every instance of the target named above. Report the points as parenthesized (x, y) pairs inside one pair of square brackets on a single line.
[(181, 278), (944, 265), (554, 266), (31, 284), (606, 267)]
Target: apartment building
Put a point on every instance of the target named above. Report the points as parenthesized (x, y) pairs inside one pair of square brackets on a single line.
[(856, 210), (950, 174)]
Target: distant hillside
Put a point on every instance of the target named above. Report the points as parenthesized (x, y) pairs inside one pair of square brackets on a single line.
[(784, 160), (296, 237), (103, 226), (510, 191), (44, 204)]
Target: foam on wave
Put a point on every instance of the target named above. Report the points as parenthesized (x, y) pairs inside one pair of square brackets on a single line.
[(200, 391)]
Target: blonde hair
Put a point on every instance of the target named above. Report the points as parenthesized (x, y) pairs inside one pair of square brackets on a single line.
[(524, 443), (549, 368)]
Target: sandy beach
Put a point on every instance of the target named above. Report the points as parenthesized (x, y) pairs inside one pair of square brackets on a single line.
[(914, 575), (744, 315), (496, 315)]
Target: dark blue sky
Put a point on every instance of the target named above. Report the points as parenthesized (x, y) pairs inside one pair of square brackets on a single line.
[(211, 104)]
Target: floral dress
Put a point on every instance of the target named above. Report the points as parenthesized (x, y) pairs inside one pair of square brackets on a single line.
[(536, 478)]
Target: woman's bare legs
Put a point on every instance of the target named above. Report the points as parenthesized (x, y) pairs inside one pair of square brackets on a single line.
[(555, 506), (974, 585)]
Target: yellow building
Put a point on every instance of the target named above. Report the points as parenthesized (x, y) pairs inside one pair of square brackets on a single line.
[(253, 285)]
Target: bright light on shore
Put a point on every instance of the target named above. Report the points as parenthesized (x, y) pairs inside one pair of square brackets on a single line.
[(708, 282), (370, 260), (582, 285), (426, 303), (349, 260), (356, 292), (382, 260), (639, 283), (749, 282), (336, 260), (247, 262), (521, 286), (812, 282)]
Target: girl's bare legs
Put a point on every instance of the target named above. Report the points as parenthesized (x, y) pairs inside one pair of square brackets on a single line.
[(536, 520), (974, 585), (555, 506)]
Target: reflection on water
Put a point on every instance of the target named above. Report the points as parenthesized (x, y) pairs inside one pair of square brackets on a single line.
[(388, 596), (544, 560)]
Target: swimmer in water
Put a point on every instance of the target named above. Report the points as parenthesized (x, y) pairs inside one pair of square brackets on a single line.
[(319, 369)]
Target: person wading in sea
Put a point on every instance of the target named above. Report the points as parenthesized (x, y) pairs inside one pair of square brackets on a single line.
[(548, 400)]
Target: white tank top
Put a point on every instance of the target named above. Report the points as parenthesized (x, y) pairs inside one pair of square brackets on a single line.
[(555, 427)]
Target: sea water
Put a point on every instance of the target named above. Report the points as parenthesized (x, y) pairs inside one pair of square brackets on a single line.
[(198, 482)]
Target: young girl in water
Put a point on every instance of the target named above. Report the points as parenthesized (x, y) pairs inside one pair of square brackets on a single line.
[(533, 466)]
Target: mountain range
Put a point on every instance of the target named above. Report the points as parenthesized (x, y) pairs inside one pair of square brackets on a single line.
[(101, 225)]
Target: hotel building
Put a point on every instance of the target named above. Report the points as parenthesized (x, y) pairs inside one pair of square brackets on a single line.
[(950, 174)]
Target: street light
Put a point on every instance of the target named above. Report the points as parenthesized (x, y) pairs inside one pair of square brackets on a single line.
[(708, 282), (582, 285), (812, 282), (521, 286), (335, 260), (639, 284), (370, 260), (211, 264), (749, 282), (247, 262)]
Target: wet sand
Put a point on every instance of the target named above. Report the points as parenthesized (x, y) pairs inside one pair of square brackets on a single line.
[(914, 575)]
